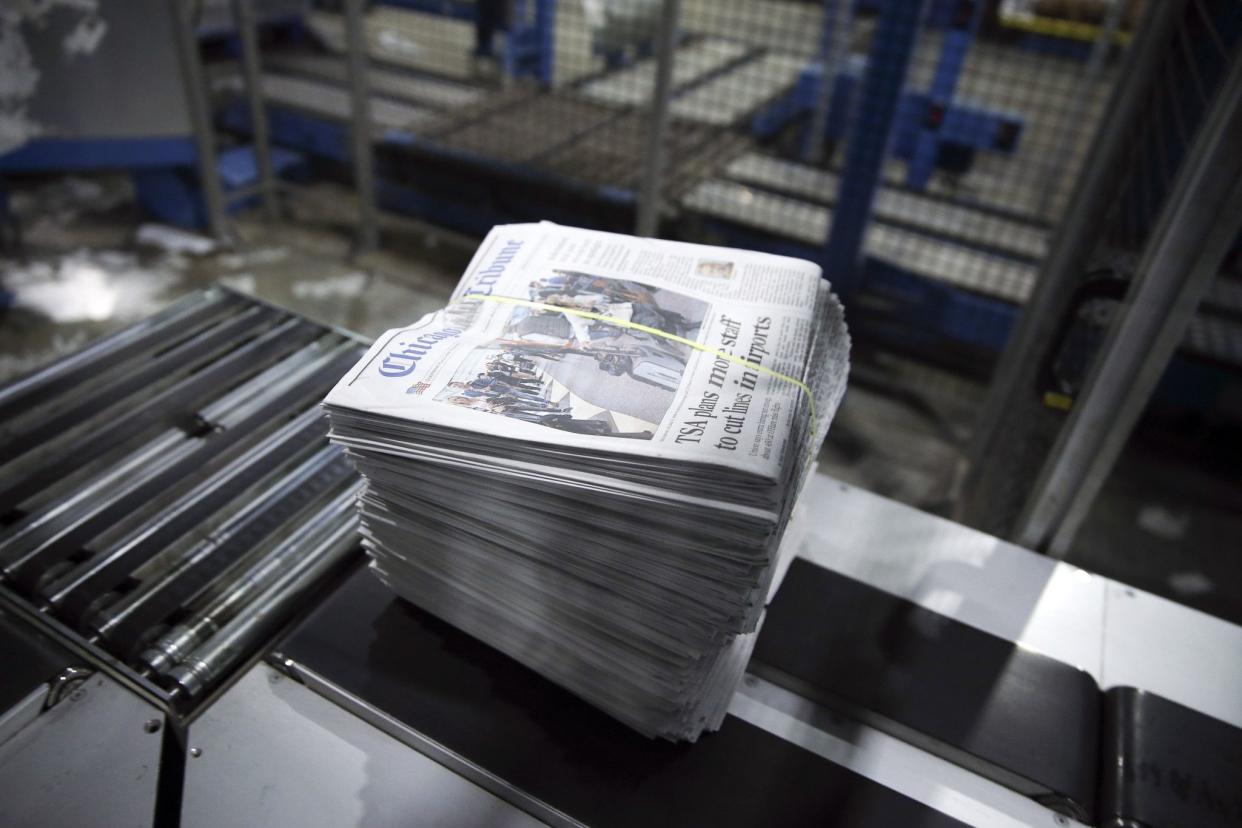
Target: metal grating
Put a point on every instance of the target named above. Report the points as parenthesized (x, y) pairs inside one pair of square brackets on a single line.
[(168, 493)]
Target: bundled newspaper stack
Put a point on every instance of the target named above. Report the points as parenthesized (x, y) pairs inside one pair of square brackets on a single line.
[(590, 457)]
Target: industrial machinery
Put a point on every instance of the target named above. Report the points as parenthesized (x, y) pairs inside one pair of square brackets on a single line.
[(170, 500), (188, 636)]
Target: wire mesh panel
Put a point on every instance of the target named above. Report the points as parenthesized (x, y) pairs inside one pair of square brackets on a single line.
[(923, 153), (921, 150), (978, 124), (500, 110), (987, 126), (1192, 54)]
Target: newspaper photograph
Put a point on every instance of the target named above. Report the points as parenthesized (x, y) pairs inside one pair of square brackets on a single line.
[(564, 335), (582, 374)]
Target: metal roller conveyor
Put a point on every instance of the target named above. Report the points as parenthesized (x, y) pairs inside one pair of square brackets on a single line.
[(48, 539), (932, 215), (145, 336), (939, 261), (333, 102), (87, 582), (120, 624), (728, 98), (257, 620), (61, 458), (273, 568), (110, 382), (144, 474), (632, 86), (178, 360)]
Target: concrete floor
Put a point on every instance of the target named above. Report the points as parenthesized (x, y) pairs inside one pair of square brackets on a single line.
[(1166, 528), (86, 273)]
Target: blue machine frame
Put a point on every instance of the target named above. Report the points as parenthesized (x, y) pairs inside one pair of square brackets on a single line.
[(933, 129), (530, 49)]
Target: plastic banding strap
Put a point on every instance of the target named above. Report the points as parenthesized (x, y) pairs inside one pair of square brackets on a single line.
[(698, 346)]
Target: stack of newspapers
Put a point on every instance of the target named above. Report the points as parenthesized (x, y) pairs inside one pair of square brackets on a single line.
[(590, 457)]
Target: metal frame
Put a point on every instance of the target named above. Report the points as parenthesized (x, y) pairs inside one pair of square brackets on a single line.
[(879, 99), (200, 117), (834, 41), (1015, 377), (1100, 48), (649, 199), (248, 34), (1196, 229), (360, 126), (430, 748)]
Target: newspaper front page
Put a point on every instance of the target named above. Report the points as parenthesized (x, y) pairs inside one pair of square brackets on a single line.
[(574, 337)]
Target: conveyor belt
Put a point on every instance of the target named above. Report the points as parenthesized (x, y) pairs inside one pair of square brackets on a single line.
[(1025, 719), (538, 746), (808, 223), (331, 101), (150, 474), (1175, 766), (1035, 725), (419, 90)]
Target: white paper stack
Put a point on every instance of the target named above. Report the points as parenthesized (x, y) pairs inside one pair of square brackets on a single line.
[(589, 459)]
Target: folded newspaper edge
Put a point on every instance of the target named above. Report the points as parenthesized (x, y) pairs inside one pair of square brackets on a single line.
[(687, 383)]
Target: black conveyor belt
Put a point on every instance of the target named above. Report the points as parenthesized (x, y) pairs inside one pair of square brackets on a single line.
[(1167, 764), (1025, 719), (509, 721)]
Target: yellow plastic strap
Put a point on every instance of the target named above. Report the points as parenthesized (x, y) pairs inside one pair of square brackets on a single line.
[(634, 326)]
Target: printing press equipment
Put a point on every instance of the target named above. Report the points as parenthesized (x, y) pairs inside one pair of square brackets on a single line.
[(189, 636)]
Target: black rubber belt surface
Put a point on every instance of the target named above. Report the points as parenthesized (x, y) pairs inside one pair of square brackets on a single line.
[(1168, 765), (978, 699), (510, 721)]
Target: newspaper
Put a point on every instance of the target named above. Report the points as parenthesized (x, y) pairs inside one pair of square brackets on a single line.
[(590, 459), (588, 339)]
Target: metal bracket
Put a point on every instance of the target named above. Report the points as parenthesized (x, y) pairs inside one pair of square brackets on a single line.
[(65, 684)]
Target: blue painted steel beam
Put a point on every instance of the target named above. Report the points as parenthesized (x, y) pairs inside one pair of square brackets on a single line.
[(928, 122), (868, 141), (530, 48), (959, 32), (960, 126), (65, 154)]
